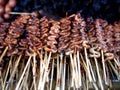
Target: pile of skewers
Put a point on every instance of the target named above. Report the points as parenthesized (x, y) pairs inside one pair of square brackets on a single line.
[(46, 54)]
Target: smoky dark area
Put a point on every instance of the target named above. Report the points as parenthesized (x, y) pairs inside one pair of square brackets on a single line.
[(106, 9)]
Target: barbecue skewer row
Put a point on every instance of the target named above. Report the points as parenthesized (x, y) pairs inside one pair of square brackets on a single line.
[(38, 40), (100, 33)]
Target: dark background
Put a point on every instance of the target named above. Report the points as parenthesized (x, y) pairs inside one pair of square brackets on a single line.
[(105, 9)]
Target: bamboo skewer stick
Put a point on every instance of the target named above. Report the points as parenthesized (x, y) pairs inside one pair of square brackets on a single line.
[(72, 71), (116, 67), (104, 71), (41, 70), (13, 79), (87, 83), (83, 63), (26, 78), (42, 66), (13, 72), (92, 72), (22, 68), (31, 88), (72, 78), (94, 84), (19, 13), (79, 69), (51, 81), (61, 70), (108, 75), (7, 73), (98, 74), (95, 55), (3, 54), (17, 75), (117, 62), (57, 87), (1, 79), (22, 84), (47, 80), (63, 74), (88, 68), (115, 71), (85, 67), (93, 77), (83, 82), (45, 58), (46, 72), (17, 87), (68, 81), (76, 71), (34, 70)]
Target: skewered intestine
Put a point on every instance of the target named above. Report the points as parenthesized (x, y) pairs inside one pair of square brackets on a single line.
[(117, 37), (94, 51), (76, 41), (90, 27), (100, 33), (3, 30), (109, 37), (65, 32), (14, 33), (44, 27), (116, 46), (70, 33), (33, 31), (53, 36), (85, 42)]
